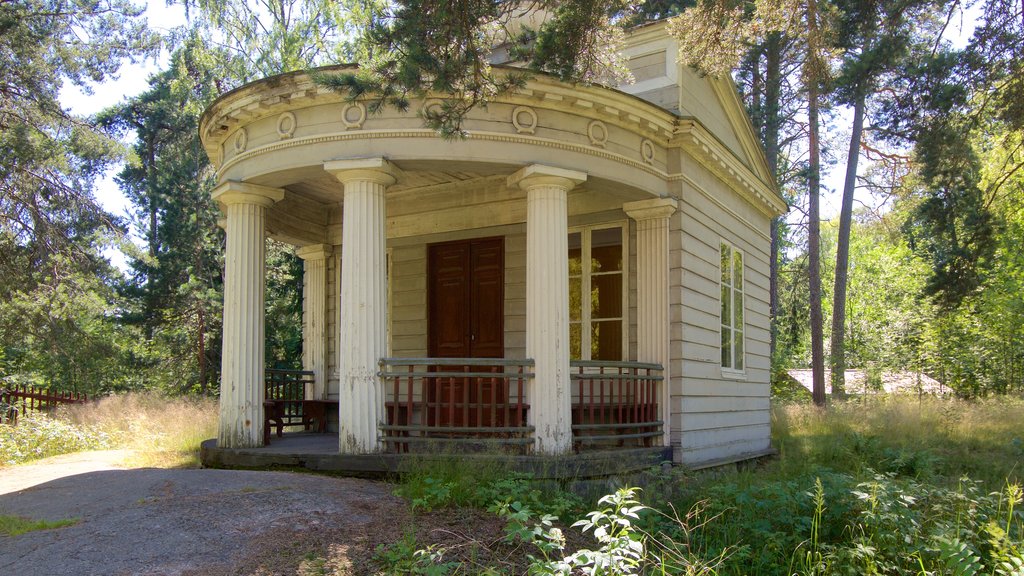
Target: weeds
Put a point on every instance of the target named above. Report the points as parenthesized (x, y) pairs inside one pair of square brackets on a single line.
[(16, 525), (39, 436), (160, 431)]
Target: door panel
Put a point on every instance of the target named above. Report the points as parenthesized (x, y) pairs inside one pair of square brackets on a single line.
[(465, 320)]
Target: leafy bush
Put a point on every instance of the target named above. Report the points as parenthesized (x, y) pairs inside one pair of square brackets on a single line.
[(160, 431), (39, 436)]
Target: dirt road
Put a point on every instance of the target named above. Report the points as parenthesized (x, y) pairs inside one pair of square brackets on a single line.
[(169, 522)]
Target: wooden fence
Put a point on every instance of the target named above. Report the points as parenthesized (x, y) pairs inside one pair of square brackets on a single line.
[(15, 400)]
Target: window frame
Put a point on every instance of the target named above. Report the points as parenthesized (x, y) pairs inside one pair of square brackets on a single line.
[(731, 369), (586, 320)]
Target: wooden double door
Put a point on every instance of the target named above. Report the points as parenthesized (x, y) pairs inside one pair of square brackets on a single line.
[(466, 301)]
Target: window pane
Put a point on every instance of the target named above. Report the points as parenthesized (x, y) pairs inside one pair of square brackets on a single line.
[(737, 269), (606, 296), (575, 298), (726, 347), (724, 264), (739, 350), (737, 306), (606, 340), (726, 301), (575, 341), (575, 254), (606, 250)]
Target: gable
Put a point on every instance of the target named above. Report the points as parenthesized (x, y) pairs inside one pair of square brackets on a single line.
[(652, 56)]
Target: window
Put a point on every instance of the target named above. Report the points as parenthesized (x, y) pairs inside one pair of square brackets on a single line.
[(596, 294), (732, 307)]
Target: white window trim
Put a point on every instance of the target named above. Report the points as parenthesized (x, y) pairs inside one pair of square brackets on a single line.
[(585, 285), (730, 372)]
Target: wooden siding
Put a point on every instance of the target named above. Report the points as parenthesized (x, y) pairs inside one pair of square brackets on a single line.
[(647, 66), (698, 99), (333, 277), (717, 414)]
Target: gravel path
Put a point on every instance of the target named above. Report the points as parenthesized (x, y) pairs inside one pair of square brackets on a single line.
[(155, 521)]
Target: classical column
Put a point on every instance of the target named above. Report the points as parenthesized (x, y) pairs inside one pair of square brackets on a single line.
[(241, 380), (314, 312), (652, 296), (547, 302), (362, 330)]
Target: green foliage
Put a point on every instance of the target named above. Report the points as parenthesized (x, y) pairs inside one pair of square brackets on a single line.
[(420, 47), (39, 436), (440, 483), (16, 525), (405, 557), (267, 38), (56, 308)]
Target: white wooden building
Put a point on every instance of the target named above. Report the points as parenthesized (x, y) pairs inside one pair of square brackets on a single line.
[(588, 268)]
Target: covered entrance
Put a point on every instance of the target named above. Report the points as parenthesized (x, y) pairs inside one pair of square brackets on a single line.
[(466, 321)]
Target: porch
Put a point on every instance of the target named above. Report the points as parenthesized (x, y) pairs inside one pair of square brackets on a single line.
[(439, 405)]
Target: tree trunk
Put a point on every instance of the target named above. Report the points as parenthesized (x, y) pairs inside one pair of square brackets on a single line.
[(838, 363), (811, 79), (201, 329), (772, 94)]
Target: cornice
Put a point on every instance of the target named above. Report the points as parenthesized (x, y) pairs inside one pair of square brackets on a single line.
[(693, 137)]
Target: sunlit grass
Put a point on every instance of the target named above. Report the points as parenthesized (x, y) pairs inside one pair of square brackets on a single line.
[(983, 439), (161, 432), (16, 525), (157, 431)]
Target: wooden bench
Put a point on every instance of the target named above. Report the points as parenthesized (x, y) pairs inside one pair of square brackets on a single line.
[(273, 413), (280, 413), (314, 413)]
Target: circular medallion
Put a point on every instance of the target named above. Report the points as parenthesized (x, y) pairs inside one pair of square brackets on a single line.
[(524, 119), (353, 115), (286, 125), (598, 133), (241, 140), (647, 151)]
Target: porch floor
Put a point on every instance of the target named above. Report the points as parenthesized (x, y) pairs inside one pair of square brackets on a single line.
[(319, 452)]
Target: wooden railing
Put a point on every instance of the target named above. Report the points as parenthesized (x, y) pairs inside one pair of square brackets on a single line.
[(465, 401), (615, 404), (15, 400), (288, 389)]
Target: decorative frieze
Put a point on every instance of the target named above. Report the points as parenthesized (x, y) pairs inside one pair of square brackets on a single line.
[(597, 131)]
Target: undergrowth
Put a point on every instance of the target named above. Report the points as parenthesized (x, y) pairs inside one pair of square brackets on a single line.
[(889, 486), (159, 431)]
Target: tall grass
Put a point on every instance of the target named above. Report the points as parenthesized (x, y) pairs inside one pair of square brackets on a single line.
[(158, 431), (921, 437), (888, 485), (161, 431)]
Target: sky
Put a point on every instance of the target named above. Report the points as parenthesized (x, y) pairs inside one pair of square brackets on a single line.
[(132, 80)]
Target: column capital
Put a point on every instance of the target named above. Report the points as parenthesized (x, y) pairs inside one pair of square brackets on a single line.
[(314, 251), (536, 175), (650, 209), (234, 192), (377, 170)]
